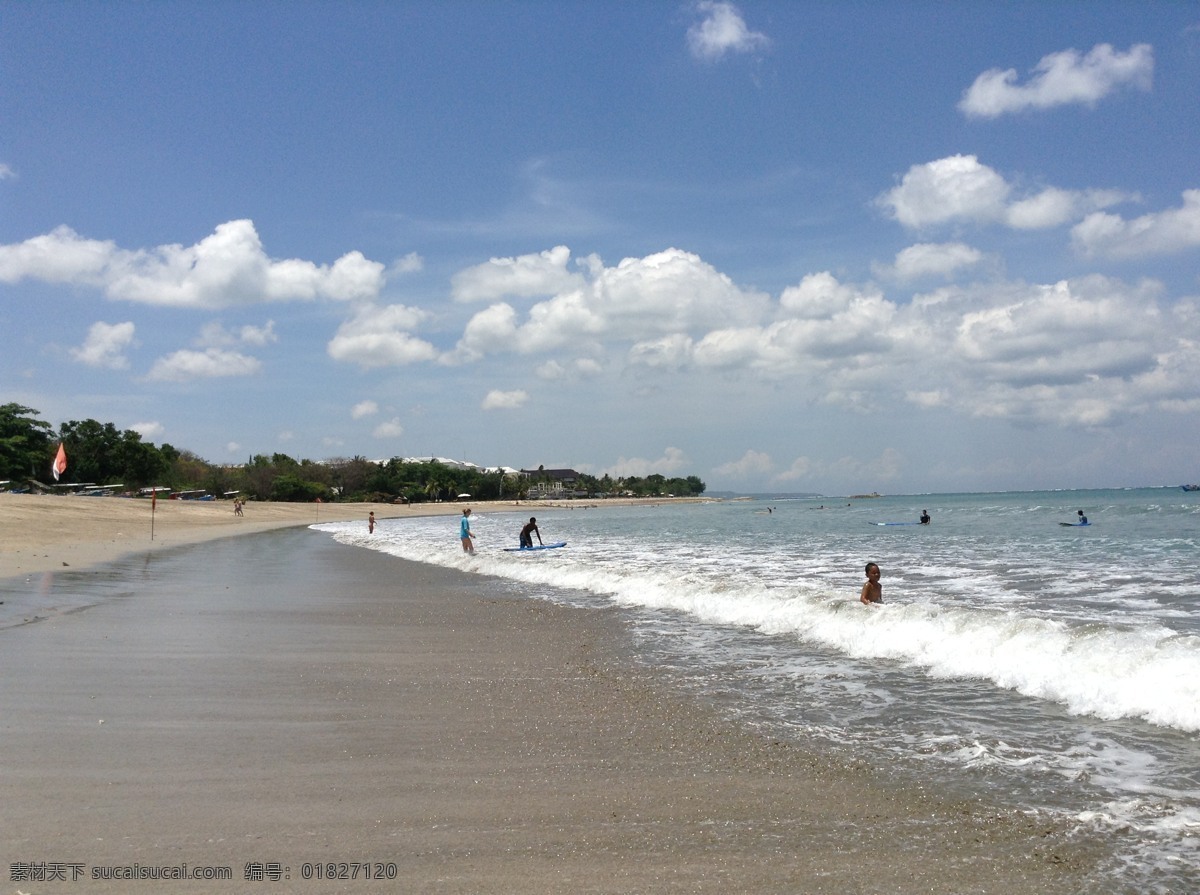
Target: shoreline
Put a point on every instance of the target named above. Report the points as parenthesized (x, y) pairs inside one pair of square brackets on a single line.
[(50, 532), (323, 703)]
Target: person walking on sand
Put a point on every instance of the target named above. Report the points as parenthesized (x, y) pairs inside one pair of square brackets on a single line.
[(371, 523), (528, 530), (872, 591), (464, 532)]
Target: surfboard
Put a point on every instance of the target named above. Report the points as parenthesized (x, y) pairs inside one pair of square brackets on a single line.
[(893, 523), (1074, 524), (535, 547)]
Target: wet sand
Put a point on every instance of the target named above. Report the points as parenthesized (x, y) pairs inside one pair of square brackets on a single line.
[(279, 702)]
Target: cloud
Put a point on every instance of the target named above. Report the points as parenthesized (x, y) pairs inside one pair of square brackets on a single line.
[(499, 400), (1053, 207), (722, 30), (1158, 233), (1060, 79), (580, 368), (959, 188), (214, 335), (148, 430), (751, 464), (7, 173), (225, 269), (800, 468), (105, 346), (524, 276), (390, 429), (671, 352), (1077, 352), (212, 363), (928, 259), (364, 408), (378, 336), (410, 263), (673, 460), (665, 293)]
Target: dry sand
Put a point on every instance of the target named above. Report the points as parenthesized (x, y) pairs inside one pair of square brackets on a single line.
[(281, 701)]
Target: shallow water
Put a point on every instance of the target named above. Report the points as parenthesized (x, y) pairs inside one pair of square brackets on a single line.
[(1053, 668)]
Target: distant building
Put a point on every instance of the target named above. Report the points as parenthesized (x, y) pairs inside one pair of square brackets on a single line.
[(552, 484)]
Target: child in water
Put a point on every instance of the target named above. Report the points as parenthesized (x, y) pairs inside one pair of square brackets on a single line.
[(872, 591)]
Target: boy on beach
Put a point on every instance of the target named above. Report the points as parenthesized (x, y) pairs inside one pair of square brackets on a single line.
[(370, 523), (464, 532), (872, 591)]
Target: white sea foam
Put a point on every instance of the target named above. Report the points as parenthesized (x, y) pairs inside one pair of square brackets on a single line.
[(1147, 671)]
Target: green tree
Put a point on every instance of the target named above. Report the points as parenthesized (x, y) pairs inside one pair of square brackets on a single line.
[(93, 451), (290, 487), (26, 447)]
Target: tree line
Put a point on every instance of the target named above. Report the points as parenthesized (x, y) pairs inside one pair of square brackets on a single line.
[(100, 454)]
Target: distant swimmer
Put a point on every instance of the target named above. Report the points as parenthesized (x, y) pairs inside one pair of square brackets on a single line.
[(872, 591), (924, 517), (528, 531), (1082, 518)]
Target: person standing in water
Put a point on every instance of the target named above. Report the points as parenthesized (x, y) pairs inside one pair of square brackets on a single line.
[(464, 532), (872, 591), (924, 517), (371, 523), (1082, 518), (528, 530)]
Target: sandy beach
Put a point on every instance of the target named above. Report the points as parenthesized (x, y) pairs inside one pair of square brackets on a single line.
[(279, 709)]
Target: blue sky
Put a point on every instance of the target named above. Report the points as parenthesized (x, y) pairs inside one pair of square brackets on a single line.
[(794, 246)]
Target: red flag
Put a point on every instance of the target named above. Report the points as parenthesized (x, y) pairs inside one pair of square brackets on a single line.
[(59, 466)]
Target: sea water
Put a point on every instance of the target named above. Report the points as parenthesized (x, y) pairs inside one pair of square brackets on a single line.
[(1051, 668)]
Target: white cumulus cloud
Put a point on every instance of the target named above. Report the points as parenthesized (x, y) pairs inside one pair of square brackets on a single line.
[(148, 430), (1158, 233), (722, 30), (380, 336), (364, 408), (105, 345), (390, 429), (662, 294), (673, 460), (928, 259), (501, 400), (225, 269), (212, 363), (960, 188), (751, 464), (1062, 78), (525, 276)]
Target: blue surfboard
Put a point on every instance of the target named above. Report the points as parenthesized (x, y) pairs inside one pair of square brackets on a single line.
[(893, 523), (1074, 524), (535, 547)]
